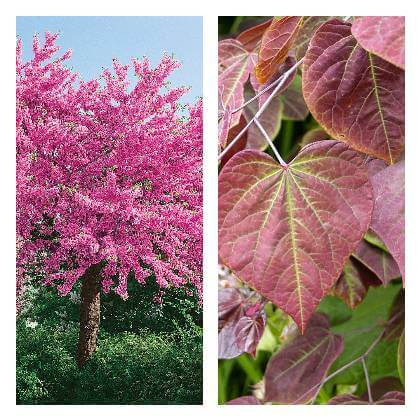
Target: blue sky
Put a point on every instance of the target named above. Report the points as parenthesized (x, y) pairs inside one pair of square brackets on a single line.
[(95, 41)]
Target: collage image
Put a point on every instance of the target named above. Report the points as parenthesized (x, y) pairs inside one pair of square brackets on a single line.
[(111, 202)]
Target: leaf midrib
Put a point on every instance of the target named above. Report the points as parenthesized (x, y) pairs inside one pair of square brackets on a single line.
[(378, 102)]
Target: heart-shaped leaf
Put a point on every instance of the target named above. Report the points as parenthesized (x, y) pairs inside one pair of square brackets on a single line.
[(388, 214), (275, 45), (288, 231), (383, 36), (356, 96), (390, 398), (294, 374), (241, 323)]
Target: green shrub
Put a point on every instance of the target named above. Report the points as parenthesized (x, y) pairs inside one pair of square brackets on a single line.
[(127, 368)]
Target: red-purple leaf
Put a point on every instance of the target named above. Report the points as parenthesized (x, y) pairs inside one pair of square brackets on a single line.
[(252, 36), (249, 330), (275, 45), (382, 386), (388, 213), (287, 232), (241, 323), (294, 105), (390, 398), (351, 286), (383, 36), (316, 134), (374, 166), (240, 143), (309, 25), (230, 304), (293, 375), (224, 126), (246, 400), (270, 119), (378, 261), (235, 65), (356, 96)]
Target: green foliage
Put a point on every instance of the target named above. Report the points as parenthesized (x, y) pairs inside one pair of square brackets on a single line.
[(148, 353)]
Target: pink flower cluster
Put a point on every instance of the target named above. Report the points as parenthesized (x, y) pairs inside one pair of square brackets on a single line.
[(106, 173)]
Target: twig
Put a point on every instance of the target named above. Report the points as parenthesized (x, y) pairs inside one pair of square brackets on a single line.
[(232, 143), (367, 380), (267, 138), (249, 101)]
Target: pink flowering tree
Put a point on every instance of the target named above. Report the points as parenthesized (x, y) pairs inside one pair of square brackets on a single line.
[(108, 180)]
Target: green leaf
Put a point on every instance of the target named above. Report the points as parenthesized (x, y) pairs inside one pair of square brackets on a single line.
[(401, 357), (337, 311), (359, 332)]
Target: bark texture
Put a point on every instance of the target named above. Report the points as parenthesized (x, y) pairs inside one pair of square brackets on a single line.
[(90, 313)]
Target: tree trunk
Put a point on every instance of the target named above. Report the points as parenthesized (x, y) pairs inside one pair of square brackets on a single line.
[(89, 313)]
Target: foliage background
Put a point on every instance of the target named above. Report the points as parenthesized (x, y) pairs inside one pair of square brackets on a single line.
[(148, 352)]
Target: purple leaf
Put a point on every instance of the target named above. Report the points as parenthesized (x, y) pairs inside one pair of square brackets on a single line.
[(240, 143), (316, 134), (356, 96), (230, 304), (270, 120), (390, 398), (288, 231), (248, 332), (235, 65), (251, 37), (353, 283), (294, 374), (309, 25), (383, 36), (294, 105), (224, 126), (246, 400), (378, 261), (388, 212), (241, 322)]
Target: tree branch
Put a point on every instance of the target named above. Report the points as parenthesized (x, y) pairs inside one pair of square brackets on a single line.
[(267, 138), (367, 380)]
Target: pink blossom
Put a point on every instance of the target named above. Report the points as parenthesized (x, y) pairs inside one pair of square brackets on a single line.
[(105, 173)]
